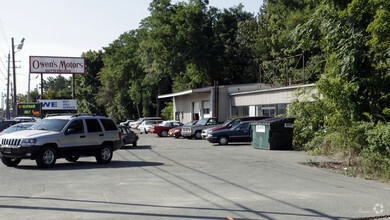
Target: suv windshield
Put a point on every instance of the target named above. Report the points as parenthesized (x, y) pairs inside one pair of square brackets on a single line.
[(50, 124)]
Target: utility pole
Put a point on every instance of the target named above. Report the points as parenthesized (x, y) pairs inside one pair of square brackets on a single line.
[(7, 112), (13, 66)]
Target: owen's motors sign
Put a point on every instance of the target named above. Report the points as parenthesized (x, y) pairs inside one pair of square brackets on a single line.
[(71, 65)]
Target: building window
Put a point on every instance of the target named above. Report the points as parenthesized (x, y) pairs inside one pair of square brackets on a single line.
[(267, 110), (206, 107), (260, 110), (241, 110), (281, 109)]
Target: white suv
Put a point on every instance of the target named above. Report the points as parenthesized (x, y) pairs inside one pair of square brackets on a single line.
[(67, 136)]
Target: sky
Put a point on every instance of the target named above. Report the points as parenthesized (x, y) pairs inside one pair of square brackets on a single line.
[(69, 28)]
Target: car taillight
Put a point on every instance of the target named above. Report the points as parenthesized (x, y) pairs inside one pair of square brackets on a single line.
[(120, 135)]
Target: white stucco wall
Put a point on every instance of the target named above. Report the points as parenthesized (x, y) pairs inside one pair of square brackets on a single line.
[(267, 96)]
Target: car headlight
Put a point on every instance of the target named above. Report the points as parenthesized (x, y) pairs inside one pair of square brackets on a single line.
[(209, 135), (28, 142)]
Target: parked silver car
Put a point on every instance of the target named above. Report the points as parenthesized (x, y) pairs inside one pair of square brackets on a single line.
[(146, 125)]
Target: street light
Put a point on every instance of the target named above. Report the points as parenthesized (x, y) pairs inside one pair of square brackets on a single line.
[(20, 46)]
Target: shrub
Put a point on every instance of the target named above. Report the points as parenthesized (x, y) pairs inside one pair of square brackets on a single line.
[(376, 156), (167, 112)]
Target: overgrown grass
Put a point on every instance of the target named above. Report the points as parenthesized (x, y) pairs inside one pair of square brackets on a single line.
[(365, 148)]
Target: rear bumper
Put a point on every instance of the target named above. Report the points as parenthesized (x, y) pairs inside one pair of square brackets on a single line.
[(118, 144)]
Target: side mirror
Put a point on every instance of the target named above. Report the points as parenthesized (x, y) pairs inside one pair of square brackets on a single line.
[(71, 131)]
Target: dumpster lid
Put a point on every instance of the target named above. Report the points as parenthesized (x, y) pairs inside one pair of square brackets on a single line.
[(275, 120)]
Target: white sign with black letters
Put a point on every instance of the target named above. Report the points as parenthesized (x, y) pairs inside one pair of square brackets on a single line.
[(59, 65), (65, 104)]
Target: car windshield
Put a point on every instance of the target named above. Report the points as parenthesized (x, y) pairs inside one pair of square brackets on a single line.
[(190, 123), (226, 123), (202, 121), (17, 127), (139, 120), (50, 124)]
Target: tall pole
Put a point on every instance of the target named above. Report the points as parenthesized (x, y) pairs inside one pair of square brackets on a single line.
[(41, 86), (13, 66), (73, 85), (28, 90), (7, 112)]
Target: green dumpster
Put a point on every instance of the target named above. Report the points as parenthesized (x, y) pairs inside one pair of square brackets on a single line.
[(273, 134)]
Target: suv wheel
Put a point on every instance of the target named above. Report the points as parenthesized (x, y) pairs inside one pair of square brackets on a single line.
[(223, 140), (135, 144), (72, 158), (10, 162), (198, 135), (47, 157), (104, 155)]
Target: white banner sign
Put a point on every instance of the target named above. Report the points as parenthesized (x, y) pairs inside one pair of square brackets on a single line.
[(66, 104), (71, 65)]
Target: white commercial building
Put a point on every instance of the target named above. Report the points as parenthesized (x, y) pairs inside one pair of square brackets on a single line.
[(240, 100)]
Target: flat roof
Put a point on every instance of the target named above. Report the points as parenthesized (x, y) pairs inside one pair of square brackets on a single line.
[(273, 89), (186, 92), (208, 89), (200, 90)]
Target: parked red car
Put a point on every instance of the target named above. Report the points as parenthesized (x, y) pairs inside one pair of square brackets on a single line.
[(176, 132), (163, 128)]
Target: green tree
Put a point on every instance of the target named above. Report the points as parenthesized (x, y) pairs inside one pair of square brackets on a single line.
[(121, 74), (88, 84), (57, 88)]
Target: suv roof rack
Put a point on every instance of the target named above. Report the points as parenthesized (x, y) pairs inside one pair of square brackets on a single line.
[(73, 115), (82, 114)]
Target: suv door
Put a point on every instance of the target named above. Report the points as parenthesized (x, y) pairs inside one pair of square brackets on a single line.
[(74, 136), (94, 132)]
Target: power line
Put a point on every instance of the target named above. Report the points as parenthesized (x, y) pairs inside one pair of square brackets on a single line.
[(2, 63), (3, 33), (4, 77)]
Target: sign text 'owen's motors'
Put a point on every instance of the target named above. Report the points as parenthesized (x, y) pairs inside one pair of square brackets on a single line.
[(71, 65)]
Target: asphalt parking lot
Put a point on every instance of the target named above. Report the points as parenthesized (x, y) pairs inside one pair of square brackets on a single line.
[(168, 178)]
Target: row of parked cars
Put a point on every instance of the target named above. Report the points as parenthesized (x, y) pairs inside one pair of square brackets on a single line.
[(234, 130)]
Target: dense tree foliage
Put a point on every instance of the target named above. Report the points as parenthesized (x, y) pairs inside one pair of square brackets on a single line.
[(353, 42), (89, 84), (188, 44)]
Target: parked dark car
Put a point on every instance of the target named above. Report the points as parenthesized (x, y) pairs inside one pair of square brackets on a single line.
[(5, 124), (17, 127), (128, 136), (232, 123), (239, 133)]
